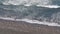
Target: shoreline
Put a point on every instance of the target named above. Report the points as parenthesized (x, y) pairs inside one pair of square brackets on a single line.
[(18, 27), (31, 21)]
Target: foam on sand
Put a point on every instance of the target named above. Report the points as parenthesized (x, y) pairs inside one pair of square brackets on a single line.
[(32, 21), (39, 22)]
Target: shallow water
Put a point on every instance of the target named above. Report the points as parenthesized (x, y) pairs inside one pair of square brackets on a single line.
[(44, 11)]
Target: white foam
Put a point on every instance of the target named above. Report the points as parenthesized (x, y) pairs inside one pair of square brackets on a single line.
[(19, 2), (27, 5), (6, 18), (38, 22), (49, 6), (31, 21), (39, 3)]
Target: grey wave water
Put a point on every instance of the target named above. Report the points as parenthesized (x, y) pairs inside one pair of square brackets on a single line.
[(32, 12), (14, 9), (41, 2)]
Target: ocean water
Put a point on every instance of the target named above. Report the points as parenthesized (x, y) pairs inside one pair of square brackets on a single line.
[(45, 12)]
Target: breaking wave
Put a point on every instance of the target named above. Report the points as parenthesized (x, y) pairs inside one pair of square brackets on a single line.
[(32, 21), (39, 3), (19, 2), (47, 6), (32, 10)]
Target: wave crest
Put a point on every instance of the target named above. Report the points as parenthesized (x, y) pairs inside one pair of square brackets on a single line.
[(31, 21), (19, 2), (49, 6)]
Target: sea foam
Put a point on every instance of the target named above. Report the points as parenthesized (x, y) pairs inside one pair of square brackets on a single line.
[(32, 21)]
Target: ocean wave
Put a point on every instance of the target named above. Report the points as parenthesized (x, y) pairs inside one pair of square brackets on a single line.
[(46, 6), (19, 2), (38, 3), (32, 21), (49, 6), (7, 18), (39, 22)]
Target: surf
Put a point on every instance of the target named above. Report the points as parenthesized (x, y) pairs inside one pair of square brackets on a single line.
[(49, 6), (20, 2), (38, 3), (32, 21)]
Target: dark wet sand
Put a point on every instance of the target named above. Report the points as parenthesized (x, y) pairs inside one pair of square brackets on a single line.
[(14, 27)]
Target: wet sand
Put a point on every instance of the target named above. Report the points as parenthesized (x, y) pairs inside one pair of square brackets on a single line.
[(20, 27)]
